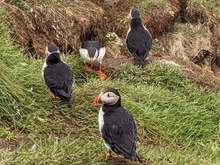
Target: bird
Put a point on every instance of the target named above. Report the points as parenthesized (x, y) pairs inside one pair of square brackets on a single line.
[(139, 39), (93, 52), (57, 75), (116, 125)]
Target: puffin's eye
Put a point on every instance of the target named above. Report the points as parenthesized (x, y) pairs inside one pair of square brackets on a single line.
[(108, 95)]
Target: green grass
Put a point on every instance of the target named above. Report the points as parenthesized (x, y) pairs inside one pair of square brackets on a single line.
[(191, 31), (178, 123)]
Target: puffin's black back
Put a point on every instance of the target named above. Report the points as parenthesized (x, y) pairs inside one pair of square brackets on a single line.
[(120, 132), (59, 79), (139, 40), (96, 44)]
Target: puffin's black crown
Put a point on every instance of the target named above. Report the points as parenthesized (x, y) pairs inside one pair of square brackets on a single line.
[(52, 47), (53, 54), (135, 13), (113, 90)]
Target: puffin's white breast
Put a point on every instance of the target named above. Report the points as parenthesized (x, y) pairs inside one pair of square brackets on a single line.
[(44, 66), (101, 124), (147, 31), (84, 54), (128, 32), (101, 119), (102, 52)]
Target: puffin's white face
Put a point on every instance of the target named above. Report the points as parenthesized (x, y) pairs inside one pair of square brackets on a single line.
[(134, 13), (129, 15), (109, 98), (46, 51)]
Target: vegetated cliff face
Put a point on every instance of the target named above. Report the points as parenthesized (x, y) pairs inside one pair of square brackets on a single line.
[(67, 24), (64, 24)]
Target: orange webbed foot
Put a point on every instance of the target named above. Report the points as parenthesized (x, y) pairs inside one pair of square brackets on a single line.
[(54, 97), (108, 155), (101, 74), (88, 68)]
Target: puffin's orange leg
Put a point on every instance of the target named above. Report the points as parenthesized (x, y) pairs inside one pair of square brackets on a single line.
[(57, 98), (88, 68), (101, 74), (54, 98), (109, 154), (52, 95)]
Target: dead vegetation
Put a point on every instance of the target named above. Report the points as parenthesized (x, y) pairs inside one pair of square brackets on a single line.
[(195, 13), (185, 48), (63, 24), (67, 25), (159, 22)]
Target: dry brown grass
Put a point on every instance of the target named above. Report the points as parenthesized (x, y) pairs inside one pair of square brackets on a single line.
[(196, 13), (159, 22), (215, 38), (64, 24)]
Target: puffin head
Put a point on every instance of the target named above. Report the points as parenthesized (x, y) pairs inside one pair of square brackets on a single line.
[(134, 13), (51, 48), (108, 96), (52, 53)]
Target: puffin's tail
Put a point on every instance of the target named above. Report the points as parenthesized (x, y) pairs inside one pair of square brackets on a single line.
[(136, 158), (65, 97), (138, 60), (139, 159), (69, 103)]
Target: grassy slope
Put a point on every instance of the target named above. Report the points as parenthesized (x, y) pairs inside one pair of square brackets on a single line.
[(178, 123)]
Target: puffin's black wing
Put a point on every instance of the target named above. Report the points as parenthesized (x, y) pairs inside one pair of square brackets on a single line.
[(59, 79), (119, 131), (139, 42)]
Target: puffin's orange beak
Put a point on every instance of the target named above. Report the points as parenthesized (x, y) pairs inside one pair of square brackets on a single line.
[(96, 100)]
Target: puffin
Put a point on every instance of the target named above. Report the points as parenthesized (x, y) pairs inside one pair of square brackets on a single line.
[(93, 52), (139, 39), (116, 125), (57, 75)]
